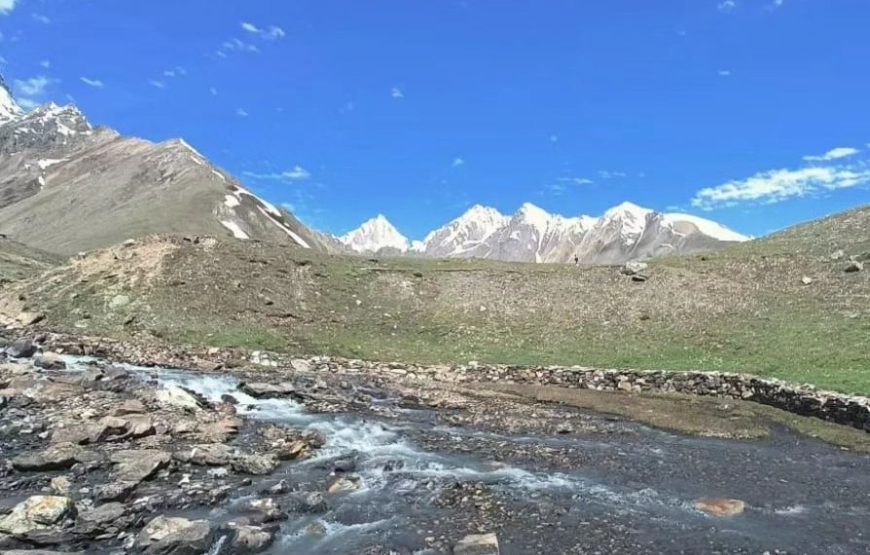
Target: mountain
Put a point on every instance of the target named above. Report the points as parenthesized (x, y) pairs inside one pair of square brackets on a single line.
[(625, 232), (68, 186), (376, 235)]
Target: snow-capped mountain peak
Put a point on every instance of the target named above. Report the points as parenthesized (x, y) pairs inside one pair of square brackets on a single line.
[(534, 216), (625, 232), (9, 109), (374, 235), (465, 233)]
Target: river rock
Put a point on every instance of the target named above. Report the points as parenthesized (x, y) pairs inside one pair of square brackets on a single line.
[(60, 485), (269, 390), (114, 491), (105, 513), (720, 507), (481, 544), (90, 432), (138, 465), (313, 502), (176, 396), (178, 536), (345, 484), (258, 465), (264, 510), (21, 348), (249, 539), (37, 514), (50, 361), (56, 457), (130, 406)]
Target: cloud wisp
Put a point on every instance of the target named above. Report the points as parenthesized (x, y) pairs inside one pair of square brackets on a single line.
[(6, 6), (298, 173), (273, 32), (778, 185), (95, 83), (31, 92), (833, 154)]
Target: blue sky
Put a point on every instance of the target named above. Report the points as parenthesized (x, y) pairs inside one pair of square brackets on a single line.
[(750, 112)]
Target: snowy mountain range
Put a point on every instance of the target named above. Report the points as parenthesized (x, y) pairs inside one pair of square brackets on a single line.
[(625, 232)]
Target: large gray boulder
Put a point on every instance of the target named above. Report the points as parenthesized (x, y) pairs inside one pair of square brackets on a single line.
[(21, 348), (37, 514)]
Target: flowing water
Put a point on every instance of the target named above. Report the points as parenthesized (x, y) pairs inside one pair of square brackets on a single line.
[(632, 491)]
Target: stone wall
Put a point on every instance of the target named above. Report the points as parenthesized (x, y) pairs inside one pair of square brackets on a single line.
[(803, 400)]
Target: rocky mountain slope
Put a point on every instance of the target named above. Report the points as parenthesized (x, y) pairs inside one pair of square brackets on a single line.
[(67, 186), (784, 306), (625, 232)]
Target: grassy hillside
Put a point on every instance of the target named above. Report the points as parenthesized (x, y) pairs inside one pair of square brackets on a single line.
[(18, 262), (744, 309)]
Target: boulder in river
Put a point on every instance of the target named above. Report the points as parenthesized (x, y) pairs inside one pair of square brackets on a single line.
[(21, 348), (477, 544), (720, 507), (37, 514), (178, 536), (261, 390), (50, 361), (249, 539)]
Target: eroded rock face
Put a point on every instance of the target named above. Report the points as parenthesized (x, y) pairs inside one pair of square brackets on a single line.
[(36, 514)]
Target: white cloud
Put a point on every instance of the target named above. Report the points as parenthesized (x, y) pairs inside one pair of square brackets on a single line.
[(6, 6), (554, 138), (272, 33), (96, 83), (778, 185), (397, 93), (727, 6), (725, 73), (158, 84), (42, 18), (298, 173), (605, 174), (213, 91), (458, 162), (833, 154), (236, 45), (576, 180), (242, 113), (35, 86), (45, 63), (175, 72)]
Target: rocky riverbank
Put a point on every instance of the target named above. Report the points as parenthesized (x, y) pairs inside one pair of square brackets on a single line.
[(804, 400), (325, 456)]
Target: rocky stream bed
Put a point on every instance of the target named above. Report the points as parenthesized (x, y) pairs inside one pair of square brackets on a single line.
[(98, 457)]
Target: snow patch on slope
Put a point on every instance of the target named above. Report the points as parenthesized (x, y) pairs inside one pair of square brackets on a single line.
[(234, 228), (707, 227)]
